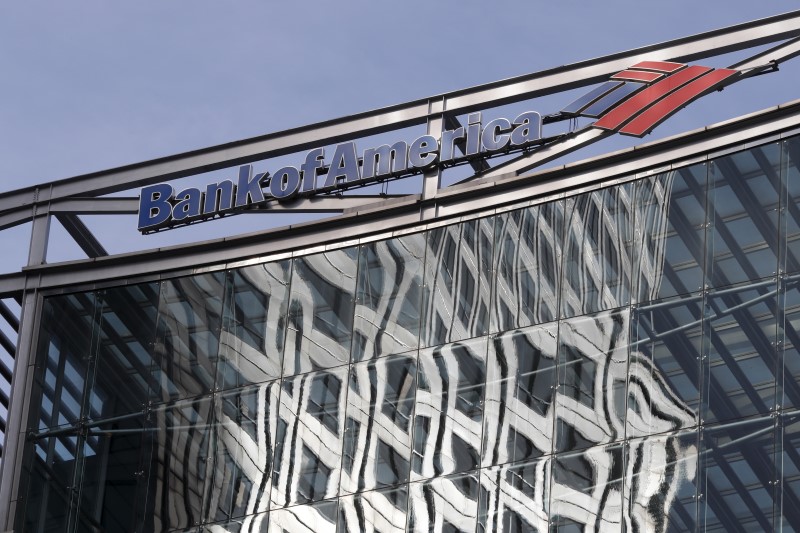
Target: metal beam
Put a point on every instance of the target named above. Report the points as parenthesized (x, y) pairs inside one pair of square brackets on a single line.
[(709, 44), (82, 235)]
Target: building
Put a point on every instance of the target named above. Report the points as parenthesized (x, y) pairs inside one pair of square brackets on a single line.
[(604, 346)]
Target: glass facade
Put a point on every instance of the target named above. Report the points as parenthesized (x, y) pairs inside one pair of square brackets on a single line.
[(625, 359)]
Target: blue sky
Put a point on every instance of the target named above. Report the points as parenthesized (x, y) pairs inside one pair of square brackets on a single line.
[(89, 85)]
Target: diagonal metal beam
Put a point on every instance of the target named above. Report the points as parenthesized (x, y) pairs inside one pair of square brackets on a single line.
[(82, 235)]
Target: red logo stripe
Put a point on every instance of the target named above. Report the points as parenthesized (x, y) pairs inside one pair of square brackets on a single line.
[(626, 110), (637, 75), (659, 66), (660, 111)]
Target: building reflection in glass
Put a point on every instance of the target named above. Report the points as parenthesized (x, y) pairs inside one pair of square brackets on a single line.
[(624, 359)]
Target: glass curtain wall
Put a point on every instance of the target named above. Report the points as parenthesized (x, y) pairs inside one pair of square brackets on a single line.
[(626, 359)]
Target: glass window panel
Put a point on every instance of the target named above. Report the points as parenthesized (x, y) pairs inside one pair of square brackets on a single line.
[(737, 469), (743, 210), (122, 376), (593, 367), (520, 389), (111, 455), (791, 205), (448, 416), (64, 350), (254, 327), (586, 492), (308, 447), (380, 511), (187, 340), (661, 482), (514, 498), (457, 273), (258, 523), (597, 251), (50, 484), (243, 452), (318, 517), (176, 465), (789, 336), (527, 261), (447, 504), (790, 474), (741, 327), (664, 369), (388, 296), (377, 445), (670, 220), (321, 311)]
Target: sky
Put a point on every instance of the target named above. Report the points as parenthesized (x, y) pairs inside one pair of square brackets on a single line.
[(88, 85)]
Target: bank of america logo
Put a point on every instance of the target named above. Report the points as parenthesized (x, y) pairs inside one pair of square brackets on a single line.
[(640, 98)]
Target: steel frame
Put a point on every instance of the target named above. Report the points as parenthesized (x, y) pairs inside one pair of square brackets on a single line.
[(490, 190)]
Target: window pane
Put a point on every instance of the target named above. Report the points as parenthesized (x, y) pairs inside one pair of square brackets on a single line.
[(448, 417), (514, 498), (321, 311), (737, 468), (457, 272), (377, 445), (189, 317), (388, 296), (520, 389), (664, 372), (741, 328), (743, 209), (254, 330), (527, 261), (311, 428), (593, 367), (597, 253), (381, 511), (447, 504), (670, 218)]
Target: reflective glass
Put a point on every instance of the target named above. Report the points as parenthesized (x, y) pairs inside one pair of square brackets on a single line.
[(175, 464), (790, 207), (664, 369), (789, 348), (377, 444), (254, 324), (258, 523), (242, 452), (597, 251), (789, 481), (309, 437), (737, 473), (122, 376), (520, 389), (447, 504), (670, 221), (448, 415), (457, 282), (388, 296), (318, 517), (586, 491), (661, 482), (109, 462), (380, 511), (515, 498), (321, 311), (593, 367), (744, 189), (741, 329), (64, 352), (50, 484), (526, 266), (187, 338)]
